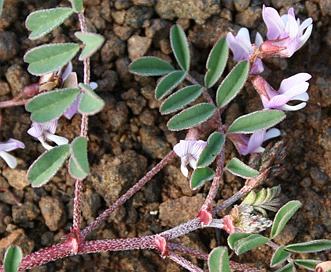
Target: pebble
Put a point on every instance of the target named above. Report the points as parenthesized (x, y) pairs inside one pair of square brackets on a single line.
[(91, 202), (113, 48), (241, 5), (25, 214), (135, 16), (16, 178), (52, 211), (8, 46), (17, 79), (250, 18), (138, 46), (325, 6)]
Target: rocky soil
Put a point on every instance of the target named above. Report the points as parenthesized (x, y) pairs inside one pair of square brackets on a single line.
[(129, 136)]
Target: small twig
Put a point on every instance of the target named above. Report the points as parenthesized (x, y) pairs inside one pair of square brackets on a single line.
[(12, 195)]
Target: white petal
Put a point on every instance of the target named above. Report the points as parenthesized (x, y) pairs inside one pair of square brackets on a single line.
[(9, 159), (272, 133), (293, 108), (59, 140), (184, 170)]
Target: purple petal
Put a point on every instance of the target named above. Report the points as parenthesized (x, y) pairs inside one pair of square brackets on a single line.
[(73, 109), (182, 149), (255, 142), (274, 23), (11, 144), (293, 81)]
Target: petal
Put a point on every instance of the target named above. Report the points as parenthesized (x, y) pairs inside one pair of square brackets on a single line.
[(94, 85), (243, 32), (9, 159), (50, 126), (184, 169), (257, 67), (11, 144), (255, 141), (182, 149), (59, 140), (292, 28), (67, 71), (293, 82), (236, 47), (196, 148), (293, 108), (305, 36), (258, 39), (71, 81), (274, 23), (73, 109), (271, 133)]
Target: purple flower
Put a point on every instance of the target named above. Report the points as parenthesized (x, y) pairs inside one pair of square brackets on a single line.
[(243, 49), (189, 152), (286, 31), (293, 88), (246, 144), (46, 131), (10, 145)]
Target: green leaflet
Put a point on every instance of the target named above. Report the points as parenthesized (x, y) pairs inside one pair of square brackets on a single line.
[(13, 257), (168, 83), (42, 22), (46, 166), (215, 143), (50, 57), (77, 5), (90, 103), (78, 163), (256, 121), (181, 98), (240, 169), (216, 62), (199, 176), (192, 116), (150, 66), (180, 47), (218, 260), (51, 105), (92, 42)]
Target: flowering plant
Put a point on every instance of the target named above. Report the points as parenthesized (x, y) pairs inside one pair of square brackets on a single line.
[(195, 111)]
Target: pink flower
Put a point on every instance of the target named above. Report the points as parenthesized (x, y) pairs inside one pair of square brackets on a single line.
[(46, 131), (293, 88), (246, 144), (10, 145), (284, 32), (243, 49), (189, 152)]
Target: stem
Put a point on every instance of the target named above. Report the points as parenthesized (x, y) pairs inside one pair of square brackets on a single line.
[(12, 103), (183, 262), (128, 194), (188, 251)]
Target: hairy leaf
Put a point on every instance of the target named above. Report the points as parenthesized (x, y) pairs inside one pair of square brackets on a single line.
[(240, 169), (199, 176), (46, 166), (42, 22), (250, 242), (283, 215), (279, 257), (77, 5), (216, 62), (287, 268), (150, 66), (90, 103), (218, 260), (92, 43), (311, 246), (180, 47), (181, 98), (256, 121), (191, 117), (235, 237), (51, 105), (215, 143), (168, 83), (307, 264), (78, 163), (50, 57)]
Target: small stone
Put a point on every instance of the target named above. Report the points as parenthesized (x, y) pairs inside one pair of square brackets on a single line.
[(53, 212), (241, 5), (4, 88), (113, 47), (325, 6), (4, 212), (135, 16), (123, 32), (91, 202), (16, 178), (119, 17), (24, 215), (250, 18), (147, 117), (122, 4), (17, 79), (138, 46), (147, 3), (312, 10), (16, 238), (108, 82), (122, 65), (187, 207), (8, 46)]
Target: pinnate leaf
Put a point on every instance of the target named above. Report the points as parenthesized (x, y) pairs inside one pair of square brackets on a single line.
[(42, 22), (180, 47), (90, 103), (46, 166), (232, 84), (215, 142), (181, 98), (13, 257), (216, 62), (78, 163), (283, 215), (311, 246), (50, 57), (200, 175), (150, 66), (92, 43), (191, 117), (240, 169), (256, 121), (168, 83), (279, 256), (218, 260), (51, 105), (77, 5)]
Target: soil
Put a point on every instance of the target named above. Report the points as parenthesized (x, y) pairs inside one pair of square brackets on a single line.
[(129, 136)]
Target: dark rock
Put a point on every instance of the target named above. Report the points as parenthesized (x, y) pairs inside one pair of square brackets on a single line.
[(241, 5), (135, 16), (4, 212), (53, 212), (113, 47), (8, 46), (25, 214), (91, 202), (325, 6)]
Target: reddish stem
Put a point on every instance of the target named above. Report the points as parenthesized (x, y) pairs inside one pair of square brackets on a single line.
[(183, 262)]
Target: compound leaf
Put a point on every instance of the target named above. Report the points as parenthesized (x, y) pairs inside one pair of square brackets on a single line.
[(216, 62), (42, 22), (46, 166), (180, 47), (51, 105), (50, 57), (192, 116)]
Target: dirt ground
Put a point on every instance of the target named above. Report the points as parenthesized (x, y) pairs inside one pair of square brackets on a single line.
[(129, 136)]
